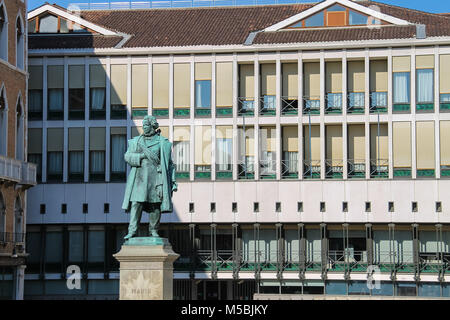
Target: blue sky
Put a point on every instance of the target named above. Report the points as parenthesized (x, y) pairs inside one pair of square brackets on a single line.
[(429, 5)]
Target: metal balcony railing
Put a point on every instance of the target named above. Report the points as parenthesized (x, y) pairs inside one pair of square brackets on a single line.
[(289, 169), (246, 106), (379, 168), (311, 169), (267, 105), (334, 168), (356, 168), (10, 169), (356, 102), (12, 237), (378, 102), (347, 260), (311, 105), (17, 171), (289, 105), (333, 103), (246, 169), (268, 168)]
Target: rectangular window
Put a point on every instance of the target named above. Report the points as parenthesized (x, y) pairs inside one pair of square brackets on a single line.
[(119, 91), (268, 154), (203, 78), (181, 151), (76, 244), (246, 89), (425, 83), (378, 85), (35, 150), (268, 89), (379, 156), (311, 161), (181, 89), (55, 93), (35, 93), (53, 249), (333, 87), (445, 148), (96, 250), (289, 95), (97, 149), (202, 151), (289, 161), (76, 154), (356, 151), (311, 73), (224, 88), (97, 94), (401, 145), (161, 89), (444, 82), (401, 83), (246, 155), (224, 152), (139, 90), (118, 149), (356, 86), (55, 145), (334, 156), (76, 92), (425, 152)]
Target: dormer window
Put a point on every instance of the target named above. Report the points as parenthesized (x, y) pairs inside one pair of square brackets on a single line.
[(335, 16), (48, 23)]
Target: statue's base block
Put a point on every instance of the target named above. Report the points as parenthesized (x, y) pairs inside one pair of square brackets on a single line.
[(146, 269)]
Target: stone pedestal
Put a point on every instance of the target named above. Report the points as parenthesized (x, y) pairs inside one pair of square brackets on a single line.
[(146, 269)]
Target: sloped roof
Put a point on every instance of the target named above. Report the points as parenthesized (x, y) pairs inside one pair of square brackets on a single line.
[(231, 26)]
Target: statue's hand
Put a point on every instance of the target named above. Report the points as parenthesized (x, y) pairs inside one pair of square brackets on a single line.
[(141, 156)]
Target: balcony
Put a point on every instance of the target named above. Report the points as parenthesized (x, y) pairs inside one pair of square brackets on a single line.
[(311, 169), (379, 168), (246, 106), (246, 169), (334, 169), (289, 106), (378, 102), (267, 169), (356, 168), (356, 102), (311, 105), (445, 102), (267, 106), (17, 171), (333, 103), (289, 169)]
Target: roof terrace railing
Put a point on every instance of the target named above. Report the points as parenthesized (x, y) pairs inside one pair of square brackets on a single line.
[(117, 5)]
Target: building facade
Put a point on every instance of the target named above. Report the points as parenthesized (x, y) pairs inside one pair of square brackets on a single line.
[(16, 175), (310, 142)]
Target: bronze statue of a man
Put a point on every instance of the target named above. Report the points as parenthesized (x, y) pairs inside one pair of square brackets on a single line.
[(151, 181)]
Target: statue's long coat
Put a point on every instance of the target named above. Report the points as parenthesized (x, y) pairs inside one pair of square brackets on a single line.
[(132, 157)]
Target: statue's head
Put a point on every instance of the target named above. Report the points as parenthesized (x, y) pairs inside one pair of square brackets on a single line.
[(150, 125)]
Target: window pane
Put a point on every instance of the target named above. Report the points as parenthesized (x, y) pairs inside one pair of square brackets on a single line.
[(55, 162), (97, 98), (118, 149), (75, 246), (336, 288), (203, 94), (55, 99), (76, 99), (401, 87), (33, 247), (35, 100), (76, 162), (315, 20), (96, 250), (181, 155), (97, 162), (53, 247), (48, 24), (356, 18), (425, 85), (336, 7)]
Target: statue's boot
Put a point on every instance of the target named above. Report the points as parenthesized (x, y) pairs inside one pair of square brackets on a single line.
[(154, 218), (130, 235), (154, 233)]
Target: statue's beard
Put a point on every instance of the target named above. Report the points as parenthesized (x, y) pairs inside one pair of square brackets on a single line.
[(149, 132)]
